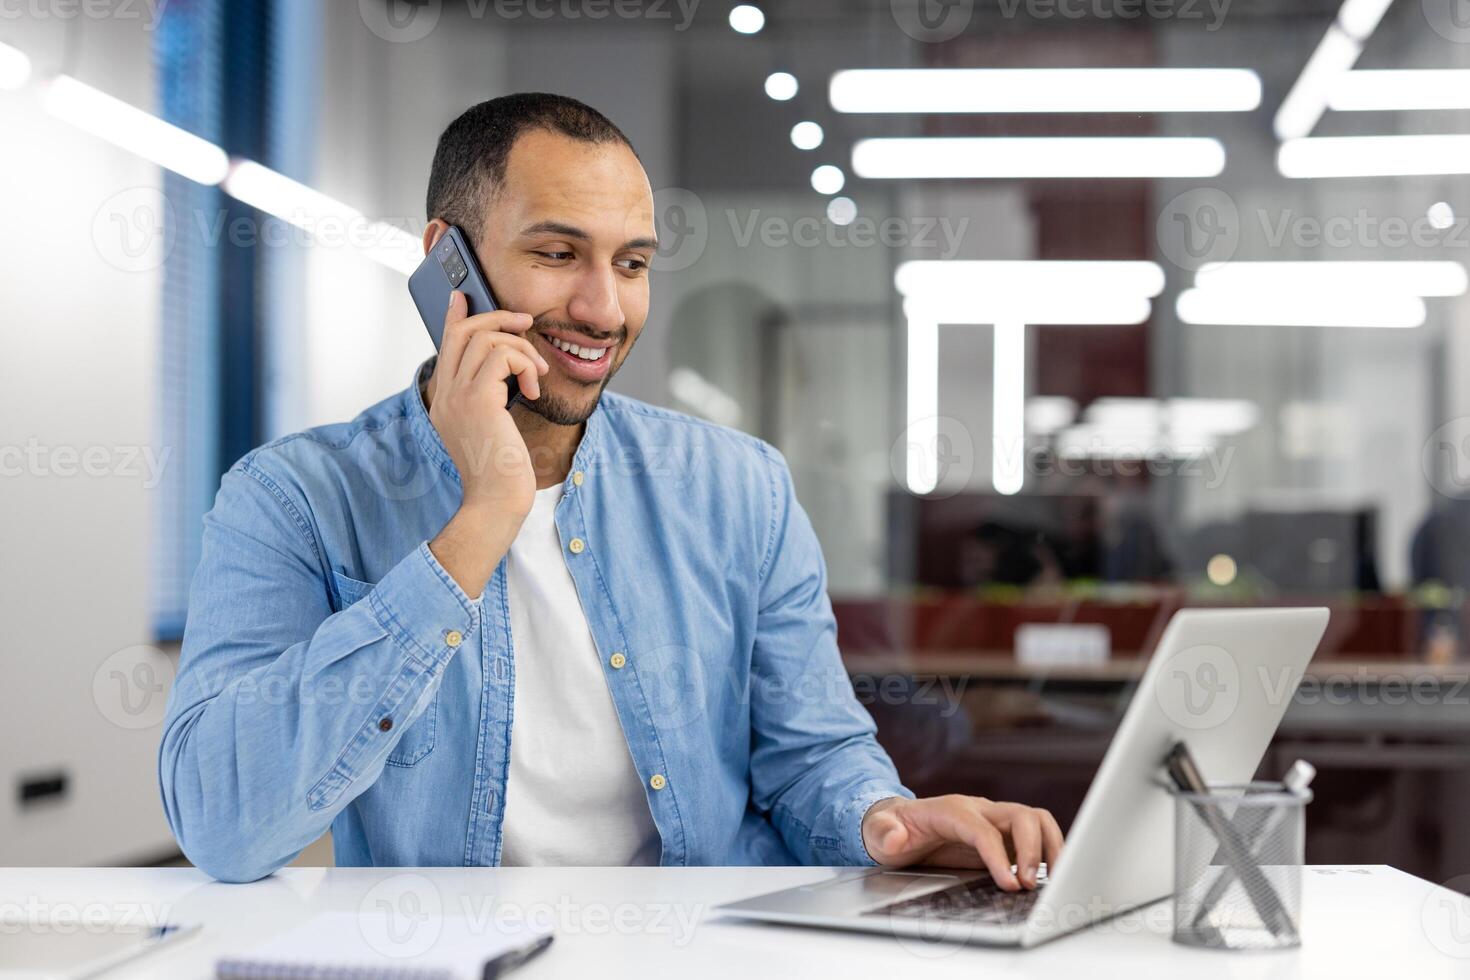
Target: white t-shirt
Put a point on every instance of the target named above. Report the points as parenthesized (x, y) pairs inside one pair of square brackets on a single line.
[(573, 796)]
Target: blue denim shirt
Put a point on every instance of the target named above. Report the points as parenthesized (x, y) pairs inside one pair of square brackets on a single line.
[(334, 675)]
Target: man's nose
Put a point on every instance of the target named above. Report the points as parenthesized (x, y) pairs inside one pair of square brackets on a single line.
[(595, 301)]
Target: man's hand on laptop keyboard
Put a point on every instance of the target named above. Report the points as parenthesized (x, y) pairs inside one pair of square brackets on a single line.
[(964, 832)]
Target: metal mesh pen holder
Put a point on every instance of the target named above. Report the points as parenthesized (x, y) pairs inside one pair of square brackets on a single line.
[(1238, 854)]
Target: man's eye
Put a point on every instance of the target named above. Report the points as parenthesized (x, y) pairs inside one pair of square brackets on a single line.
[(636, 265), (555, 256)]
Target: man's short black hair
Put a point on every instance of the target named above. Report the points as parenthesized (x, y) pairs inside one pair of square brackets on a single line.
[(470, 160)]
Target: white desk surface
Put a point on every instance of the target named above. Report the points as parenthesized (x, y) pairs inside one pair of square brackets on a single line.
[(1369, 921)]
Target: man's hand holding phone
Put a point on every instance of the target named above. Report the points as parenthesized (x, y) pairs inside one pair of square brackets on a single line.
[(469, 392)]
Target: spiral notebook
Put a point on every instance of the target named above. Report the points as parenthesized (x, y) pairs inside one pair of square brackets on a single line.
[(348, 946)]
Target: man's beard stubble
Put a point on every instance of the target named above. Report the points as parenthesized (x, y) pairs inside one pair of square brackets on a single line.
[(561, 411)]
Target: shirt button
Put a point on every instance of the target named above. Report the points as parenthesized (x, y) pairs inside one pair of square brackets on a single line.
[(657, 781), (578, 477), (617, 660), (385, 725), (454, 638), (576, 545)]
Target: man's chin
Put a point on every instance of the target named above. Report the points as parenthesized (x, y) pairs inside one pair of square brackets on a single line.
[(558, 409)]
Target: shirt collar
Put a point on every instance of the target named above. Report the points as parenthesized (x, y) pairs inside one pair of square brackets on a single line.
[(433, 446)]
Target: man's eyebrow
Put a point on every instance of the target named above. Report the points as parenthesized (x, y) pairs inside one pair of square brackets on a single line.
[(572, 231)]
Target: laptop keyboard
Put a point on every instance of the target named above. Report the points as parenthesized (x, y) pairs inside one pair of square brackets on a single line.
[(974, 901)]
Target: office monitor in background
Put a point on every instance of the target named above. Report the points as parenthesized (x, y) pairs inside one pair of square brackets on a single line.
[(1219, 681), (1309, 552)]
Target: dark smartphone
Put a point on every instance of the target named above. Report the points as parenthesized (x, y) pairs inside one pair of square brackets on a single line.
[(450, 266)]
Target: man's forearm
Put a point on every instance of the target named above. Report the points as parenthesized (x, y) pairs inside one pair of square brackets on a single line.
[(471, 545)]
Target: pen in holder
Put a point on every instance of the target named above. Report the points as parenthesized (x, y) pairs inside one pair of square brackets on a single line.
[(1238, 855)]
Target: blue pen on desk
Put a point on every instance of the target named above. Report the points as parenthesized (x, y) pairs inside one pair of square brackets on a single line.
[(508, 961)]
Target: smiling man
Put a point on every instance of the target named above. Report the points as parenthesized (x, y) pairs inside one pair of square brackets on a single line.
[(579, 630)]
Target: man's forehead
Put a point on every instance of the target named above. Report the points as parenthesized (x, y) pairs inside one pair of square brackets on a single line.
[(597, 188)]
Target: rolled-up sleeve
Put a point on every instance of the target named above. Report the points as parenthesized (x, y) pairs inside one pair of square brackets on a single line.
[(816, 765)]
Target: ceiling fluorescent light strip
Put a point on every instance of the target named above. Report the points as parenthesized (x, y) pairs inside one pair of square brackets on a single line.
[(319, 214), (1020, 280), (1400, 90), (1291, 308), (1016, 157), (1374, 156), (134, 130), (1415, 278), (939, 90), (1334, 55)]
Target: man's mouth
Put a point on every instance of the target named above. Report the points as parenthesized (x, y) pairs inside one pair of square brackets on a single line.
[(582, 361), (585, 353)]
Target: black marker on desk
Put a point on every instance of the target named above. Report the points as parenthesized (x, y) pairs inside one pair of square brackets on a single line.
[(508, 961)]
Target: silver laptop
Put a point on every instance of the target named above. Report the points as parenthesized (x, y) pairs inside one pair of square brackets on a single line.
[(1219, 681)]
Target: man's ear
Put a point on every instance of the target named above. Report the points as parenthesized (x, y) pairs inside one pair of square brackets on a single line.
[(433, 232)]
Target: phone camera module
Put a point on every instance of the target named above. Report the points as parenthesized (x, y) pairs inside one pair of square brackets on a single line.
[(453, 264)]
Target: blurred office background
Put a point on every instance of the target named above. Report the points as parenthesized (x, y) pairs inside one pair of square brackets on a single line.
[(1195, 333)]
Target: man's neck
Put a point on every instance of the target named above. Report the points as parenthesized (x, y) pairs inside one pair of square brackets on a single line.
[(550, 446)]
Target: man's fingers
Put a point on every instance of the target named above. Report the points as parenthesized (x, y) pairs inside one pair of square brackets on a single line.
[(453, 341), (460, 328), (1051, 838), (502, 320), (484, 342), (1025, 831), (956, 818), (505, 361)]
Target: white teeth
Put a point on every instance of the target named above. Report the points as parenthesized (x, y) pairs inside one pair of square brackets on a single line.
[(585, 353)]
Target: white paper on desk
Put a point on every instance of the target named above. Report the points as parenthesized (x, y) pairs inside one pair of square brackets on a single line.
[(383, 944)]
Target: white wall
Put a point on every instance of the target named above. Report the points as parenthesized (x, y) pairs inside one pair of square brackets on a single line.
[(78, 346)]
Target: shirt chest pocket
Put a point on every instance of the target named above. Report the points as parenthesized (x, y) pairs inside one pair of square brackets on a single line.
[(417, 740)]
